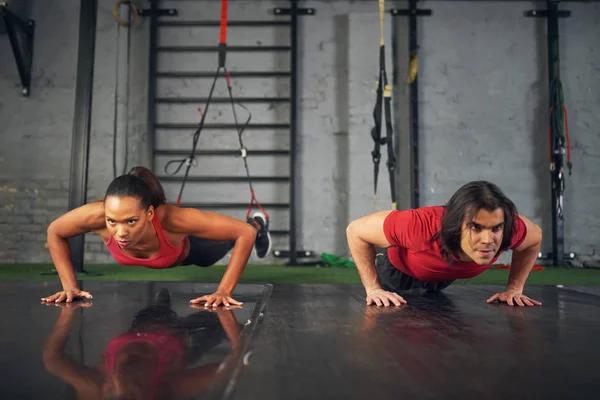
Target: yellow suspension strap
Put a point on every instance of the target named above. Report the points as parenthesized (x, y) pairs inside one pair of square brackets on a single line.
[(384, 97)]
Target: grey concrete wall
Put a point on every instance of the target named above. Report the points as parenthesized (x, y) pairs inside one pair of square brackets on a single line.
[(483, 88), (484, 99), (35, 133)]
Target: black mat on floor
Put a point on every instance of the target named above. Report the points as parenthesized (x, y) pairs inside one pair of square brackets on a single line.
[(301, 342)]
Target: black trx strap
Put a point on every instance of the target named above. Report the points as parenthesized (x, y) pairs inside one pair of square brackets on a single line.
[(191, 159), (558, 129), (384, 96), (559, 143)]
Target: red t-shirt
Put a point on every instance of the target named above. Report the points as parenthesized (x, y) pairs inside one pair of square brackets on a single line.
[(410, 232)]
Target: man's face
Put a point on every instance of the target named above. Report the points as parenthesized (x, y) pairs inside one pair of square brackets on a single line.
[(126, 219), (482, 236)]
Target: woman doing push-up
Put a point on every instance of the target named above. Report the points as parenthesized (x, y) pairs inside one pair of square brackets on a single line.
[(140, 228)]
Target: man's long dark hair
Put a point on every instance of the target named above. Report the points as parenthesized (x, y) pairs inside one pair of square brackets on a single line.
[(463, 205)]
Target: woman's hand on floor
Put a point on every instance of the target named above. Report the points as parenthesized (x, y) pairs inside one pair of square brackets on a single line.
[(67, 295), (216, 299)]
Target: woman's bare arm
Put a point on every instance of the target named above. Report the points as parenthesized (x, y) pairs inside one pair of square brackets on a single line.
[(84, 219), (217, 227)]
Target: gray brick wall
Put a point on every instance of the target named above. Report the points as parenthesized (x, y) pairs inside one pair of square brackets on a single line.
[(35, 134), (482, 95), (27, 209)]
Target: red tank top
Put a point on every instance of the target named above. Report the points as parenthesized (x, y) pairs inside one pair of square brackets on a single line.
[(167, 346), (165, 259)]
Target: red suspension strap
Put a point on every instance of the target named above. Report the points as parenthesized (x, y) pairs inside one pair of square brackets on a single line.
[(223, 35), (191, 159), (223, 39)]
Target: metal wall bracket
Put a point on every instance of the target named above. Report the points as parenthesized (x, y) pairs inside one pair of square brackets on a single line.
[(416, 12), (557, 176), (161, 12), (545, 14), (293, 254), (546, 256), (302, 258), (299, 253), (413, 13), (299, 11), (23, 52)]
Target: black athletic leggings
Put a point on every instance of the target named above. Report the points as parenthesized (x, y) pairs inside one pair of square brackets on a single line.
[(393, 280), (206, 252)]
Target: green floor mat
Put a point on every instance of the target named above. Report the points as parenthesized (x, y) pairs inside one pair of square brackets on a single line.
[(282, 274)]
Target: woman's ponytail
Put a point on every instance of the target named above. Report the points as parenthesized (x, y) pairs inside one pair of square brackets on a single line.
[(157, 193)]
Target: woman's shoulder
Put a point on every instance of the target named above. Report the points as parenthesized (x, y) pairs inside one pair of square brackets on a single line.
[(165, 211), (95, 214), (169, 215), (180, 219), (86, 218)]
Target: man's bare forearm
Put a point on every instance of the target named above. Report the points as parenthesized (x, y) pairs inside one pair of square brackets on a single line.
[(522, 264), (363, 255), (364, 235)]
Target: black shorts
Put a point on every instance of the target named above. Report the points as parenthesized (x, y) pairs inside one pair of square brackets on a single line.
[(206, 252), (394, 280)]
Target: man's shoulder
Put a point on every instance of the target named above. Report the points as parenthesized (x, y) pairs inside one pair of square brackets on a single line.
[(434, 211), (415, 227), (433, 214), (431, 217), (431, 210)]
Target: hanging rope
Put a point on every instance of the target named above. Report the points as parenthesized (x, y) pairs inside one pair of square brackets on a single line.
[(383, 100), (191, 159), (132, 18)]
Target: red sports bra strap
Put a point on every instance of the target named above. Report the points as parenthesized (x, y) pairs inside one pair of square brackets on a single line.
[(159, 231)]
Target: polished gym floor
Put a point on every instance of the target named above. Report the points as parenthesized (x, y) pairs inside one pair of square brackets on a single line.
[(293, 341)]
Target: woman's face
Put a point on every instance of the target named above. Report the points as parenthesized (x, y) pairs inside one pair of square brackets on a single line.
[(127, 219)]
